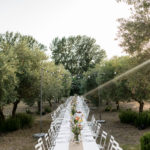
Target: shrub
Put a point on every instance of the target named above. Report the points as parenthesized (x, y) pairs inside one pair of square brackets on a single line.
[(128, 116), (26, 120), (10, 124), (142, 120), (145, 142), (108, 108), (20, 121), (47, 109)]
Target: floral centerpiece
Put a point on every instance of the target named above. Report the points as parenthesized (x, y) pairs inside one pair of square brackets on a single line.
[(76, 127), (73, 107), (76, 120)]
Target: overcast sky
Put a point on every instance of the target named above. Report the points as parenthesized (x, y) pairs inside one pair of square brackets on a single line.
[(47, 19)]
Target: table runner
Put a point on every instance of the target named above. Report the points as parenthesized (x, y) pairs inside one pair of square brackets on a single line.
[(75, 146)]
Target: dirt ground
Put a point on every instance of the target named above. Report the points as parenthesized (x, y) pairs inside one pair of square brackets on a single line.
[(123, 133), (23, 139)]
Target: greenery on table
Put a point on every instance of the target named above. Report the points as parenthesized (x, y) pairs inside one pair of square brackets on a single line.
[(73, 110)]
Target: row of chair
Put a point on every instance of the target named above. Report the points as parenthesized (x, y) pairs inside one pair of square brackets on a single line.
[(59, 112), (48, 141), (98, 132)]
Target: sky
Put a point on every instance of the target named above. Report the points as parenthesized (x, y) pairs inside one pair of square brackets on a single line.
[(47, 19)]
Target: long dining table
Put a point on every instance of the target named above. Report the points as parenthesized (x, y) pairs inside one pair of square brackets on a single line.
[(64, 137)]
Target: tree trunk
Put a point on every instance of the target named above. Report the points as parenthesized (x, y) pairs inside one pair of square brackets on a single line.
[(141, 106), (1, 114), (15, 105), (107, 102), (50, 104), (117, 105), (39, 106)]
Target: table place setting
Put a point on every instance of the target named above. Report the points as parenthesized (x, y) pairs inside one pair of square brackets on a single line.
[(74, 135), (70, 130)]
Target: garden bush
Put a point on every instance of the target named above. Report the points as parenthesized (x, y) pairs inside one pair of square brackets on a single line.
[(145, 142), (128, 116), (141, 121), (10, 124), (20, 121), (108, 108), (26, 120)]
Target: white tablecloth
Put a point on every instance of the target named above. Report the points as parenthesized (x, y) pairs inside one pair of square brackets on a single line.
[(63, 138), (65, 133), (88, 142)]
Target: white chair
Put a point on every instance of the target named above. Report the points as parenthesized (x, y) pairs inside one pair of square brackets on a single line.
[(115, 146), (102, 141), (53, 132), (55, 126), (93, 118), (47, 141), (53, 116), (90, 123), (40, 145), (95, 126), (96, 134), (111, 140), (52, 138), (115, 143), (57, 123), (119, 148)]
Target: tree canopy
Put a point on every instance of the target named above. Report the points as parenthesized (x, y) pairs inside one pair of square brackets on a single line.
[(134, 32), (104, 72), (76, 53), (21, 61), (134, 37)]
